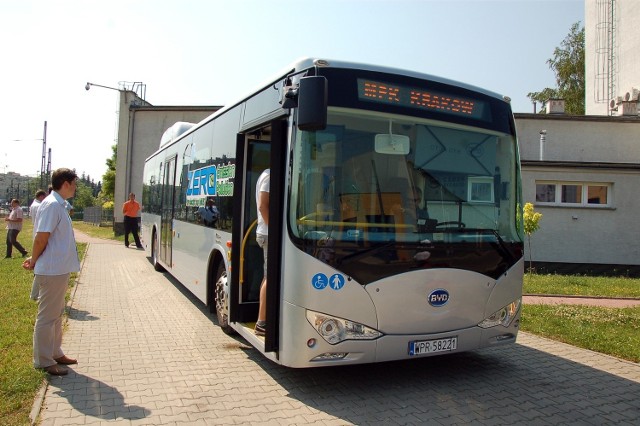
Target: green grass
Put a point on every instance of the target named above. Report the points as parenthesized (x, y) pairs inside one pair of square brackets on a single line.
[(19, 381), (97, 231), (578, 285), (612, 331)]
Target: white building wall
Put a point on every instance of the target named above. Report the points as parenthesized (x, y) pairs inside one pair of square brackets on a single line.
[(584, 149), (586, 235), (579, 138), (139, 137), (599, 51)]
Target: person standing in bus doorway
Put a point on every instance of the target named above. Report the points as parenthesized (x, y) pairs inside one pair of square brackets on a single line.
[(262, 237), (14, 226), (130, 209), (53, 260)]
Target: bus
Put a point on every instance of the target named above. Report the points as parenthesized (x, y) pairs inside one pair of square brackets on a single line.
[(395, 215)]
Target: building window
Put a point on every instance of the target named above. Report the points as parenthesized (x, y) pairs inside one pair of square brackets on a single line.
[(585, 194), (571, 194), (597, 194), (545, 193), (480, 189)]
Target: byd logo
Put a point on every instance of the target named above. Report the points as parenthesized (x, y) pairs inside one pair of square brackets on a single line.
[(438, 297)]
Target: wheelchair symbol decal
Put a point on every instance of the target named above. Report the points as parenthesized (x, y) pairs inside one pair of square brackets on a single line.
[(319, 281)]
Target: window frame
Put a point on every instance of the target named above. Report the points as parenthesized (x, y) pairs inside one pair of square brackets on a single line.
[(584, 193), (480, 180)]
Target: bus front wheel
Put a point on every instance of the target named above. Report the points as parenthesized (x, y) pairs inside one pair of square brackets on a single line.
[(222, 299)]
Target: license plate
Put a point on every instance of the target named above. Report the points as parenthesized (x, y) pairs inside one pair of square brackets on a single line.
[(421, 347)]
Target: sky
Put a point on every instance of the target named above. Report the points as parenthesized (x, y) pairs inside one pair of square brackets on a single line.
[(211, 52)]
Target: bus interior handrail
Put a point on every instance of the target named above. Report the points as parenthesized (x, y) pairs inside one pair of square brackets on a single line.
[(242, 246)]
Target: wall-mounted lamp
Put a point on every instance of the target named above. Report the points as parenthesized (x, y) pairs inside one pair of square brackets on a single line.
[(88, 86), (140, 89)]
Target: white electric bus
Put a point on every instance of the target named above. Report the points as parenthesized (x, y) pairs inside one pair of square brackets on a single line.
[(395, 227)]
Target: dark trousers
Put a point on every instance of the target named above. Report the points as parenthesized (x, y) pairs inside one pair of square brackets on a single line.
[(12, 241), (131, 225)]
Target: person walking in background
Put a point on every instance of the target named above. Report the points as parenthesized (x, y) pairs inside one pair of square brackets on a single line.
[(262, 237), (33, 211), (53, 260), (130, 209), (14, 226)]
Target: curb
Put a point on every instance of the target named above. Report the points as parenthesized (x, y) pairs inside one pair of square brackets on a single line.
[(569, 296), (595, 353), (37, 403)]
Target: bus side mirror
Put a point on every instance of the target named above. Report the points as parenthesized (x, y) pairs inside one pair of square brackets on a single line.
[(312, 103)]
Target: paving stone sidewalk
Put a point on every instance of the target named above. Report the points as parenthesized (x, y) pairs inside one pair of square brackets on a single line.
[(150, 354), (578, 300)]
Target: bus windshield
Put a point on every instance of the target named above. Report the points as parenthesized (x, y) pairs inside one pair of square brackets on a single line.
[(404, 191)]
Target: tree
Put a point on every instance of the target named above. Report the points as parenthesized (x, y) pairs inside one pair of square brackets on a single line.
[(531, 225), (107, 192), (568, 65), (83, 196), (108, 186)]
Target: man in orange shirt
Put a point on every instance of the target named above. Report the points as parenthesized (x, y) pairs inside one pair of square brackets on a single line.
[(130, 209)]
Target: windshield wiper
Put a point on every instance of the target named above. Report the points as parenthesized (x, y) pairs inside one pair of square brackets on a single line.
[(500, 242), (364, 253)]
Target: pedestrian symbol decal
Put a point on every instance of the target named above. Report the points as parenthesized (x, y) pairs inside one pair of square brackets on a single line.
[(319, 281), (336, 281)]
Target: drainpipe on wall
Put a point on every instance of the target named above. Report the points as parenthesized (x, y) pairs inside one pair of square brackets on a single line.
[(127, 183)]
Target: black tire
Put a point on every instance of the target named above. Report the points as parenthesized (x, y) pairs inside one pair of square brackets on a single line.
[(154, 254), (222, 299)]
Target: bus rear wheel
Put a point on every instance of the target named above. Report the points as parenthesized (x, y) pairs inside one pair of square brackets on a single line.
[(222, 299), (154, 253)]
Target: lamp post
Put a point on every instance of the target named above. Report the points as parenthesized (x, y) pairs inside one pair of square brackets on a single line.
[(43, 161), (44, 152), (132, 95)]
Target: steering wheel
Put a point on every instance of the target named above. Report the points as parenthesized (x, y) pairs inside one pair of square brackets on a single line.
[(310, 216), (451, 224)]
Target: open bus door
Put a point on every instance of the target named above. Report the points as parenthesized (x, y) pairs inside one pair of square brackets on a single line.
[(166, 226), (256, 151)]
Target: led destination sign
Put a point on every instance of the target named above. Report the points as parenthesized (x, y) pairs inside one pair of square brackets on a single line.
[(392, 94)]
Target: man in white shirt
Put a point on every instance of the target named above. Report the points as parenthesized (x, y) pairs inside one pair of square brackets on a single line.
[(33, 211), (53, 260)]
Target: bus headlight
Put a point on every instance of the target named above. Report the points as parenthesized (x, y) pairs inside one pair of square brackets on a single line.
[(502, 317), (335, 330)]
